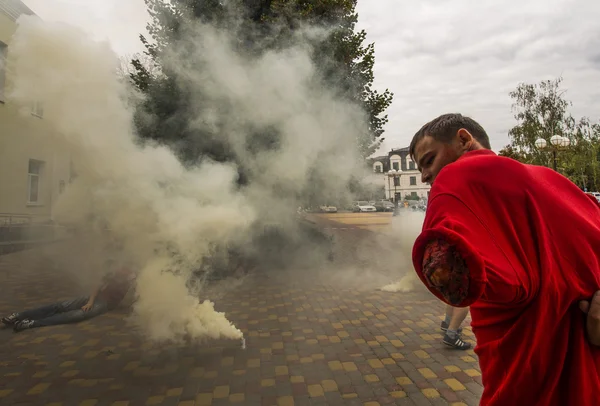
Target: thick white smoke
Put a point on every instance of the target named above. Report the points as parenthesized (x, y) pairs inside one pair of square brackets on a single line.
[(149, 201)]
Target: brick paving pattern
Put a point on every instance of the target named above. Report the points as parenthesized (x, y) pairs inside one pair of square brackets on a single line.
[(309, 342)]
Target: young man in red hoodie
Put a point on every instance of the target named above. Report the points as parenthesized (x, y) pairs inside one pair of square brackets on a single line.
[(520, 245)]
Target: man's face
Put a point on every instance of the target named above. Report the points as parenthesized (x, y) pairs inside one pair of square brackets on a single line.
[(432, 155)]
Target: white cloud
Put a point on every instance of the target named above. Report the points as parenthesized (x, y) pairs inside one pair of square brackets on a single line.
[(437, 56), (465, 56)]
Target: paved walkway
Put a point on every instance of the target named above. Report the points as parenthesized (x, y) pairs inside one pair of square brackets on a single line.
[(309, 342)]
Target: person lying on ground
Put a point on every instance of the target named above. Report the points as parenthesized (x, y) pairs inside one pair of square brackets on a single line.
[(107, 296)]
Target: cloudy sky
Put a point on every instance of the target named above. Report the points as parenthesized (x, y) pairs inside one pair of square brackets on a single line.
[(437, 56)]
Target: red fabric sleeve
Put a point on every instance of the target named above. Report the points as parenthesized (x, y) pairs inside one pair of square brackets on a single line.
[(450, 223)]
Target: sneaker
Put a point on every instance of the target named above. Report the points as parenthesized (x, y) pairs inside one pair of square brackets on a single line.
[(10, 320), (445, 326), (457, 342), (23, 325)]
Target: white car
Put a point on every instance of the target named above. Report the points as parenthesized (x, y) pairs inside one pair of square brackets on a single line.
[(328, 209), (363, 207)]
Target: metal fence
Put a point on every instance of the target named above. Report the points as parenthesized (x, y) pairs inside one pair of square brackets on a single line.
[(20, 231)]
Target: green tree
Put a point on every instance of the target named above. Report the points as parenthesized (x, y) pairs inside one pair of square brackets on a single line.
[(344, 61), (541, 111)]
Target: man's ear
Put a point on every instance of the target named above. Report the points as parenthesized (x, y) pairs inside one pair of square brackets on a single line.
[(465, 139)]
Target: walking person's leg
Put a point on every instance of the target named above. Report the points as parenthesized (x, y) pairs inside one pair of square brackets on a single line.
[(46, 311), (72, 316), (452, 337)]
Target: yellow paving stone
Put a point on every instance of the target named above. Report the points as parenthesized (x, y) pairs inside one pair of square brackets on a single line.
[(315, 391), (458, 404), (54, 404), (91, 342), (265, 351), (370, 378), (237, 398), (335, 339), (403, 380), (430, 393), (221, 392), (425, 346), (281, 370), (285, 401), (88, 402), (227, 361), (397, 355), (69, 351), (382, 339), (318, 356), (253, 363), (452, 368), (329, 385), (376, 363), (360, 341), (41, 374), (421, 354), (120, 403), (388, 361), (468, 358), (368, 313), (398, 394), (313, 341), (210, 374), (454, 384), (343, 334), (349, 366), (155, 400), (131, 366), (174, 392), (322, 337), (338, 326), (88, 383), (283, 319), (427, 373), (472, 372), (397, 343), (381, 316), (39, 388), (292, 357), (349, 395), (306, 360), (70, 373), (371, 404), (5, 392), (267, 382), (297, 379), (66, 364), (277, 345), (239, 372), (373, 343), (203, 399)]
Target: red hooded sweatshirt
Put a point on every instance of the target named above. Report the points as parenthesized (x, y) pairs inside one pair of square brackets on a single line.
[(529, 240)]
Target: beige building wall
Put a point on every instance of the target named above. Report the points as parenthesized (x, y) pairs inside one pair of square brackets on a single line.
[(33, 171)]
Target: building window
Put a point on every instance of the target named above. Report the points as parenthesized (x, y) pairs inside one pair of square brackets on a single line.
[(33, 186), (378, 168), (414, 195), (413, 181), (395, 166), (396, 180), (37, 109), (411, 165), (3, 50)]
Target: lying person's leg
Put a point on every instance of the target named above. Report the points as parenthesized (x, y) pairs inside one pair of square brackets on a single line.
[(46, 311), (72, 316)]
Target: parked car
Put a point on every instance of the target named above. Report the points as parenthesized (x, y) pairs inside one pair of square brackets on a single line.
[(328, 209), (384, 205), (595, 194), (363, 207)]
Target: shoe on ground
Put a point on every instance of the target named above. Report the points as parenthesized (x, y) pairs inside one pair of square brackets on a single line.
[(23, 325), (456, 343), (445, 326), (9, 320)]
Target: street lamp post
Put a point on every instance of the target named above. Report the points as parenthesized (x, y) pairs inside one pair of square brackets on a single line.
[(396, 175), (557, 143)]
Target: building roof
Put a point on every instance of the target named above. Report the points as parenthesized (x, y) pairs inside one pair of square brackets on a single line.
[(14, 9), (398, 150)]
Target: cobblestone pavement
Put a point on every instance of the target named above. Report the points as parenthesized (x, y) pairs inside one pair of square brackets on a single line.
[(309, 342)]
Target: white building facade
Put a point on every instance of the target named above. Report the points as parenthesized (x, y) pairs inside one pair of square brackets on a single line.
[(406, 182)]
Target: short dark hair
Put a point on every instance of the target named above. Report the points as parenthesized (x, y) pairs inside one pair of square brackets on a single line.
[(444, 127)]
